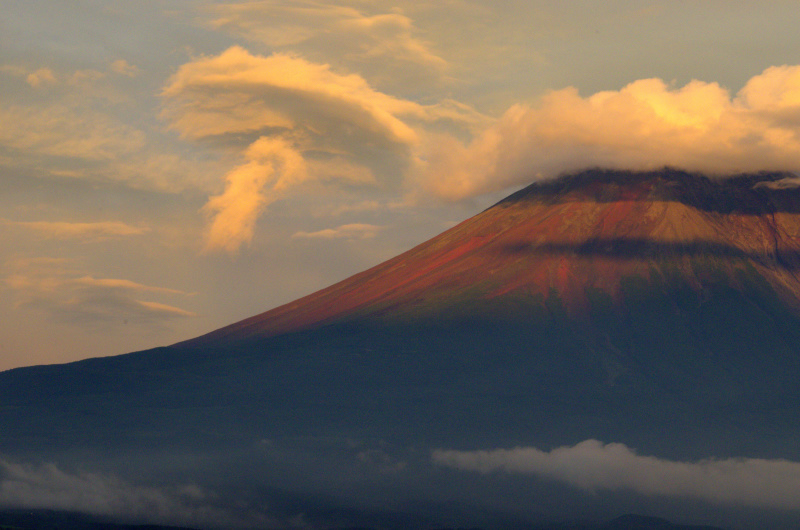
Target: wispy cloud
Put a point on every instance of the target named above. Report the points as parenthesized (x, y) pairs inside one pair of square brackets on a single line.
[(57, 288), (646, 124), (384, 44), (78, 128), (84, 231), (166, 309), (47, 486), (58, 129), (592, 465), (348, 231), (123, 67)]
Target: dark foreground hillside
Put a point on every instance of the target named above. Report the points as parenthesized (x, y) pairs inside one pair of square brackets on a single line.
[(52, 520)]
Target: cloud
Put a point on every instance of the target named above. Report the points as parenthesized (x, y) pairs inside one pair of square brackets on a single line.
[(61, 130), (85, 231), (295, 121), (122, 67), (646, 124), (52, 286), (41, 77), (237, 92), (233, 214), (348, 231), (46, 486), (166, 309), (81, 128), (592, 465), (111, 283), (384, 46)]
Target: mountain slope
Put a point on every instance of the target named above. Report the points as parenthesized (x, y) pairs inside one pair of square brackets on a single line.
[(570, 237), (658, 310)]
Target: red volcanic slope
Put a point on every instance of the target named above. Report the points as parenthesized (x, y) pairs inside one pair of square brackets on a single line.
[(567, 236)]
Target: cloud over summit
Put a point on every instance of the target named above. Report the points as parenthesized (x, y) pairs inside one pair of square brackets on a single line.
[(645, 125)]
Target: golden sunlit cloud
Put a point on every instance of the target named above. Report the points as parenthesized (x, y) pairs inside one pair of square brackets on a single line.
[(41, 77), (237, 92), (284, 108), (645, 125), (75, 130), (270, 161), (56, 287), (348, 231), (169, 310), (84, 231), (384, 46), (123, 67)]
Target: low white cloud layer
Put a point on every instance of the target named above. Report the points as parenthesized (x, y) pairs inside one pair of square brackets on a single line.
[(46, 486), (592, 465), (646, 124), (348, 231)]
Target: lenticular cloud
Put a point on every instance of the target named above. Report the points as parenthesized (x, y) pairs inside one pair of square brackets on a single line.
[(592, 465)]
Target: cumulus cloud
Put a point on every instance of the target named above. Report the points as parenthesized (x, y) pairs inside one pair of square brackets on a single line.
[(385, 46), (233, 213), (52, 286), (84, 231), (348, 231), (592, 465), (645, 125), (295, 121)]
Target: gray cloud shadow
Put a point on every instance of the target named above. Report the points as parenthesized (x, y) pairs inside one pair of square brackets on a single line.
[(641, 248), (748, 194)]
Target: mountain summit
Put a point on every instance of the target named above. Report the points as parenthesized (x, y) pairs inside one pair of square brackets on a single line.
[(569, 240), (657, 310)]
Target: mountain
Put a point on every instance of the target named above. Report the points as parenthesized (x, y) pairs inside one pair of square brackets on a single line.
[(659, 310), (569, 238)]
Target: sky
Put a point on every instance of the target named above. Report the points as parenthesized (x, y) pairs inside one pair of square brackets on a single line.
[(168, 167)]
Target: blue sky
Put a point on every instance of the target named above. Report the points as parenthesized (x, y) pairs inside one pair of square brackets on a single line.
[(171, 166)]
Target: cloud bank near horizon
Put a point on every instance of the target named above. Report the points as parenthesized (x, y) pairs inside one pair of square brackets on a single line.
[(592, 465), (49, 487)]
